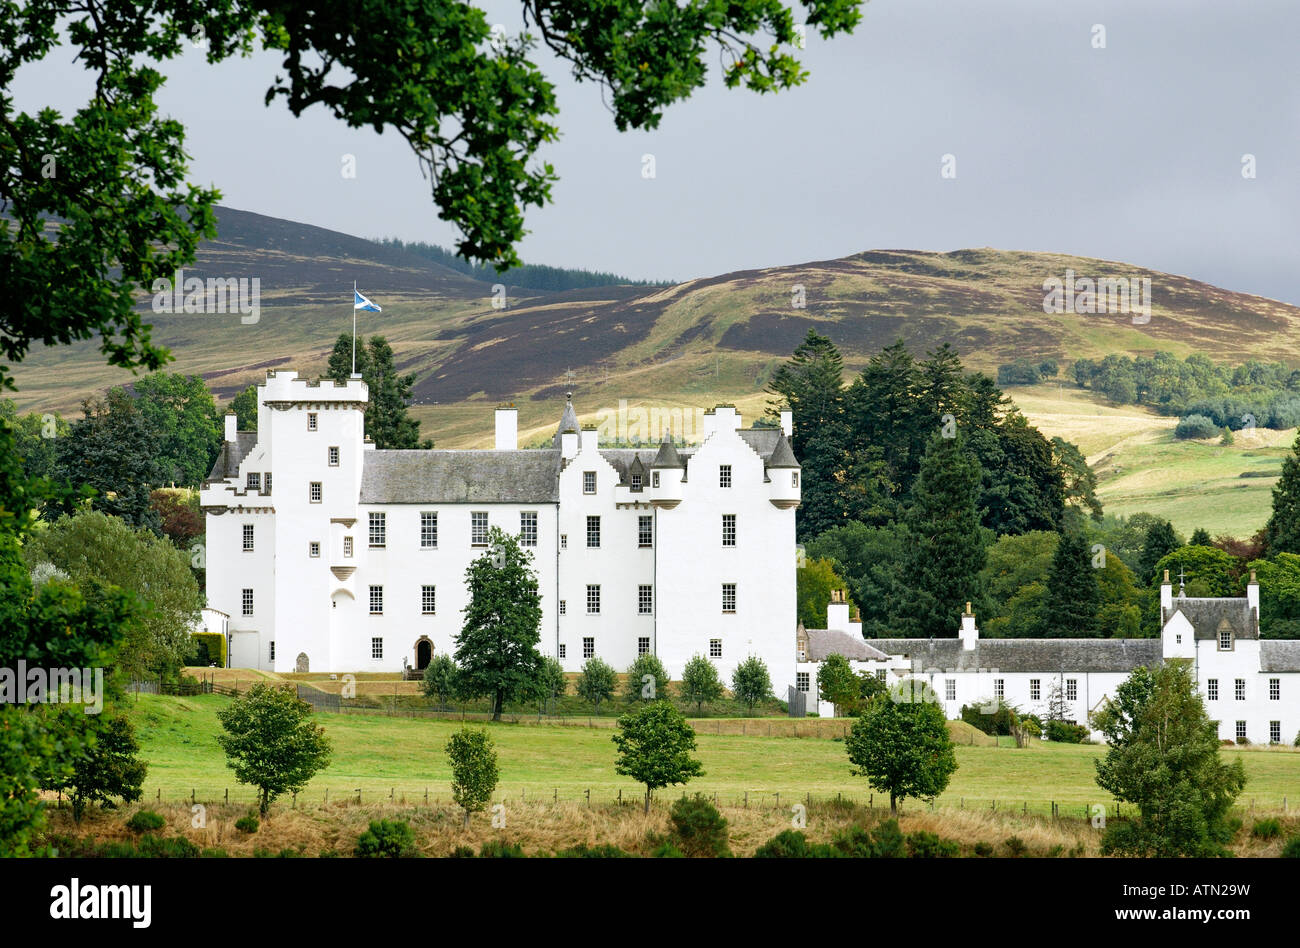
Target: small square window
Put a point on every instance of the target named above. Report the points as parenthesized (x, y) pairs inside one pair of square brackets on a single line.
[(636, 482), (564, 541), (376, 600), (314, 492), (589, 482), (428, 600), (1225, 641), (376, 648), (334, 456), (715, 648), (724, 475), (248, 538), (643, 645), (313, 548), (728, 597), (311, 421), (588, 647)]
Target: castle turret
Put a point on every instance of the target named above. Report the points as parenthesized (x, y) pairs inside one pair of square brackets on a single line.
[(783, 475), (666, 473)]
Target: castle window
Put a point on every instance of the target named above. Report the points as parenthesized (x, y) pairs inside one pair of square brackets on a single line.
[(645, 531), (999, 687), (644, 600), (1275, 732), (333, 456), (266, 483), (1241, 730), (728, 529), (589, 482), (1275, 689), (272, 651), (564, 541), (478, 528), (949, 689), (253, 481), (376, 600), (246, 600), (561, 650), (313, 548), (1225, 640), (802, 681), (311, 421), (728, 597), (724, 475), (1212, 689), (593, 532), (794, 478), (428, 530), (1035, 689), (636, 482), (593, 600), (248, 538), (1071, 689), (376, 648), (881, 674), (562, 610), (1239, 689), (378, 530), (654, 478), (428, 600), (314, 492), (347, 546), (643, 645), (528, 528), (588, 647), (715, 648)]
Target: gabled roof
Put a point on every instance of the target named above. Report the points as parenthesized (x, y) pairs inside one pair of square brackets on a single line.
[(1207, 616), (823, 643), (1027, 655), (231, 454), (1279, 655), (459, 477)]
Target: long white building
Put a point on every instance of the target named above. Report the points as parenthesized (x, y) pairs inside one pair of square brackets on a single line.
[(1251, 686), (329, 555)]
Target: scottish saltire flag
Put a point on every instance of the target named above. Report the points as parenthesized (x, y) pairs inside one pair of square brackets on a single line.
[(362, 303)]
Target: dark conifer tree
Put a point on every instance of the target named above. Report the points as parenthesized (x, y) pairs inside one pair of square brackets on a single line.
[(1160, 542), (1282, 533), (1075, 596)]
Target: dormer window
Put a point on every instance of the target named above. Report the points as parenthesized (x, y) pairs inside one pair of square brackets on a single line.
[(1225, 640), (636, 482)]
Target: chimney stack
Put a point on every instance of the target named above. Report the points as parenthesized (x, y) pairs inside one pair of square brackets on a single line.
[(1252, 593), (507, 428), (1166, 598), (969, 635), (787, 422), (230, 427)]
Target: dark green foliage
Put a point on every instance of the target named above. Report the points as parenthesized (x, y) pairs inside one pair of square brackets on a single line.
[(387, 422), (926, 845), (473, 769), (1063, 732), (997, 722), (1292, 848), (244, 405), (603, 851), (646, 680), (654, 747), (788, 844), (496, 648), (874, 562), (596, 683), (386, 839), (1015, 847), (247, 824), (525, 276), (461, 852), (106, 770), (145, 821), (271, 742), (1020, 372), (700, 682), (210, 647), (1282, 532), (751, 683), (1195, 426), (1200, 537), (1268, 828), (838, 684), (1072, 583), (181, 411), (884, 841), (698, 828), (983, 849), (213, 852), (1160, 542), (440, 679), (499, 849)]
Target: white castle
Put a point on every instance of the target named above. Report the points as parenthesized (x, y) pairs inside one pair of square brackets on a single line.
[(326, 554)]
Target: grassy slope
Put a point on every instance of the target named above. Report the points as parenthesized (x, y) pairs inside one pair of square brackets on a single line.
[(379, 753)]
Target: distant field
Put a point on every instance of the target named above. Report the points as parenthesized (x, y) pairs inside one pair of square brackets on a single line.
[(1140, 466), (382, 755)]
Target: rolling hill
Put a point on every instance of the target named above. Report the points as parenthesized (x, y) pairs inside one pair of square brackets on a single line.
[(694, 344)]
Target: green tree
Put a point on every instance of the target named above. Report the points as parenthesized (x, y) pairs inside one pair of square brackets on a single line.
[(1206, 570), (244, 405), (105, 770), (1163, 756), (1076, 596), (35, 437), (1160, 541), (751, 683), (271, 742), (550, 684), (98, 551), (1078, 478), (636, 687), (654, 747), (113, 449), (1282, 532), (596, 682), (496, 647), (473, 769), (180, 409), (441, 679), (900, 743), (948, 544), (386, 419), (700, 682), (814, 582), (874, 561), (838, 684), (1200, 537)]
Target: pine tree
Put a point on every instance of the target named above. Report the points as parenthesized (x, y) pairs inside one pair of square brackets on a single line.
[(387, 422), (948, 545), (1282, 533), (1075, 595), (1161, 540), (1200, 537)]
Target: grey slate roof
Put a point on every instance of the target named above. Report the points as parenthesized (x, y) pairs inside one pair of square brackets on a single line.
[(825, 642), (623, 459), (1279, 655), (568, 422), (1206, 615), (667, 456), (231, 454), (1027, 655), (782, 455), (460, 477)]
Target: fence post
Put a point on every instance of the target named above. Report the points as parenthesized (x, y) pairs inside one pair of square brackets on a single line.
[(620, 796), (589, 796), (192, 793), (293, 804), (556, 798), (227, 794), (327, 794), (746, 799), (426, 796)]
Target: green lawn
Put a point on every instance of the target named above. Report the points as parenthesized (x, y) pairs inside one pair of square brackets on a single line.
[(378, 753)]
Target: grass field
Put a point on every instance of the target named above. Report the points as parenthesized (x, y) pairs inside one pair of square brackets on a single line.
[(382, 755)]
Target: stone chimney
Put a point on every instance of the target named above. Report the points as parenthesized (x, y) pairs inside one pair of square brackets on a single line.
[(837, 612), (230, 427), (1252, 593), (969, 634), (507, 428), (1166, 598), (787, 422)]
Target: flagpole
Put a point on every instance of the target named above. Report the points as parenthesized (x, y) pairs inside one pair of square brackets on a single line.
[(354, 327)]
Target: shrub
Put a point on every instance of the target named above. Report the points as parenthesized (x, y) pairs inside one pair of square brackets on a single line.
[(386, 839), (926, 845), (1015, 846), (666, 850), (1269, 828), (461, 852), (699, 828), (173, 847), (247, 824), (496, 849), (1196, 426), (1292, 848), (213, 853), (997, 724), (583, 851), (145, 821), (1065, 732), (208, 647), (984, 849), (787, 844), (857, 842)]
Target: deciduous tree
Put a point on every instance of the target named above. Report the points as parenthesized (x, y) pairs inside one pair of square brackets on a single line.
[(654, 747), (271, 742)]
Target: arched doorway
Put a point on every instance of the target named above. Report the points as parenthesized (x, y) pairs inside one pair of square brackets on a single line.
[(423, 654)]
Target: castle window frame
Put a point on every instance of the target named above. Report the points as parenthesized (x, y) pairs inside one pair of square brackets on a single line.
[(1035, 689), (593, 532), (272, 650), (315, 492), (428, 530), (802, 681), (1241, 731), (246, 601), (333, 455), (253, 481), (950, 689), (478, 528), (1275, 732), (1225, 640), (643, 645), (728, 529), (313, 548), (724, 475), (794, 479), (729, 598), (999, 687), (266, 483), (1071, 689), (645, 600), (376, 648), (593, 599), (378, 530), (1212, 689), (1275, 689), (248, 538), (428, 600), (563, 605), (589, 482), (645, 531), (347, 546), (636, 483), (1239, 689), (376, 600), (528, 528), (561, 650), (588, 647), (313, 422), (654, 479), (715, 648)]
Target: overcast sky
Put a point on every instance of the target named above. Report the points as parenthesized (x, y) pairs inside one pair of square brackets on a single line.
[(1132, 152)]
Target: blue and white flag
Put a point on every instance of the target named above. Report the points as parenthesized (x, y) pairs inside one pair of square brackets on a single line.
[(362, 303)]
